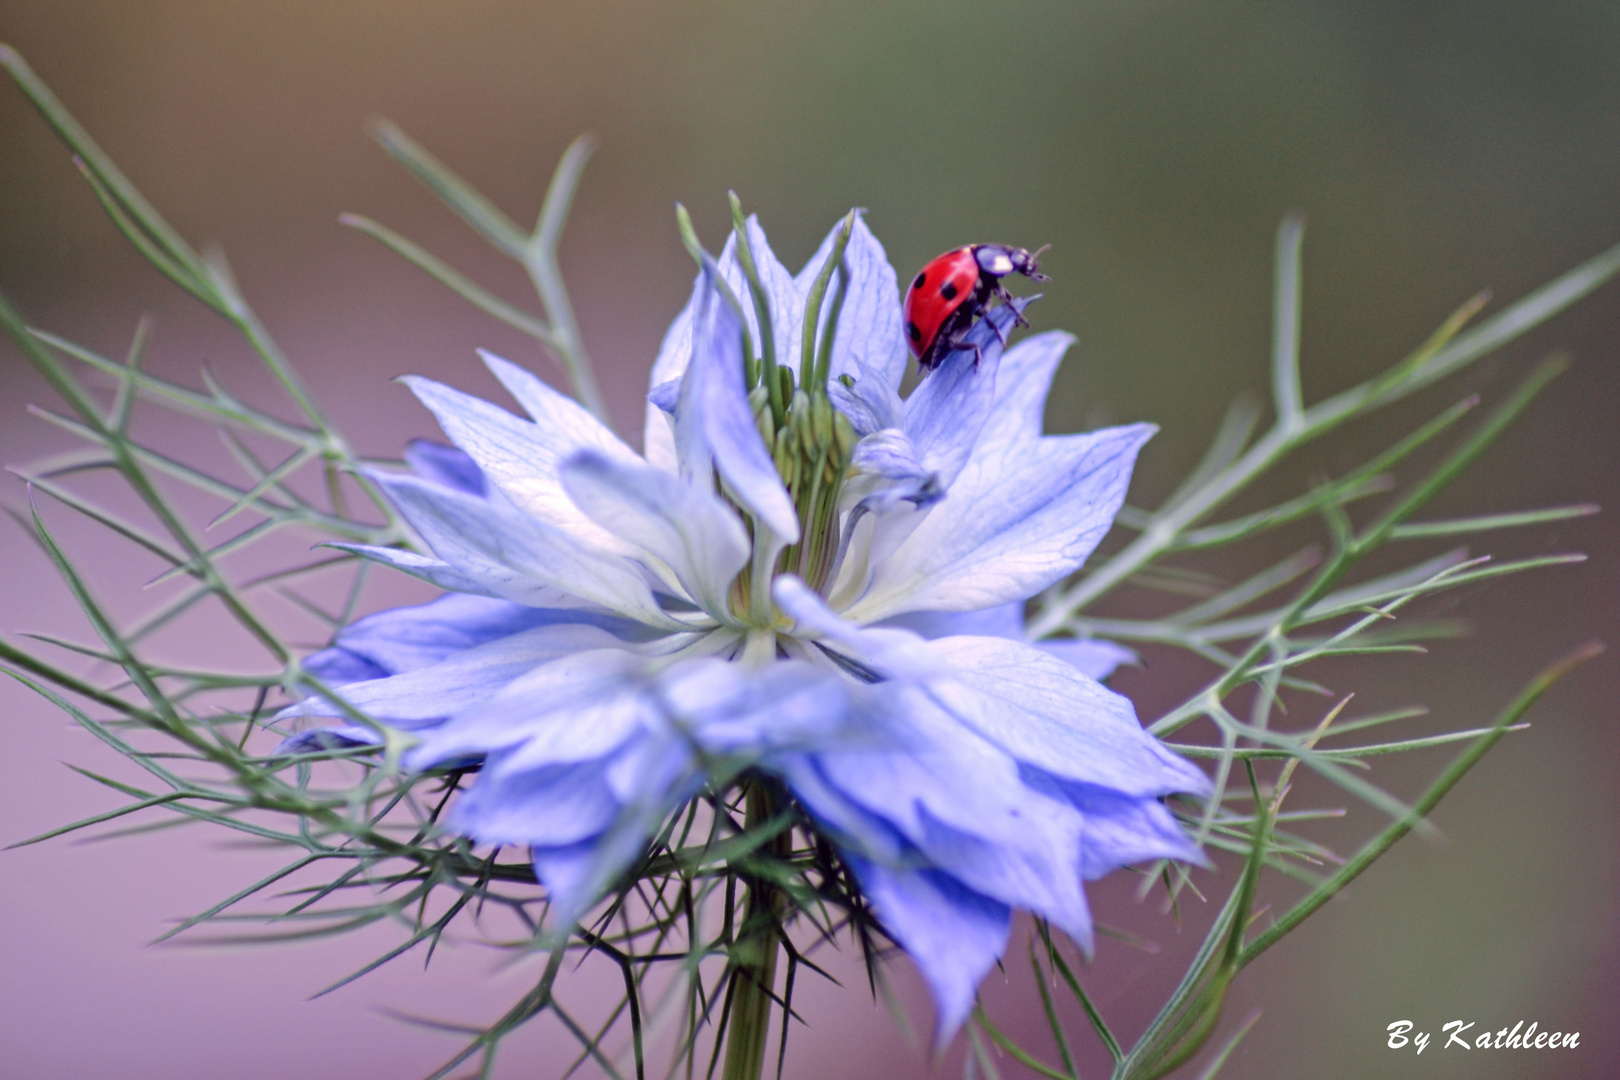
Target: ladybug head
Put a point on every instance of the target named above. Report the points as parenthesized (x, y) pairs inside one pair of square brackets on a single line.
[(998, 260)]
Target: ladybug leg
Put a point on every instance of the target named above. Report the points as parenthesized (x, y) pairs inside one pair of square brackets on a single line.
[(958, 339), (999, 335), (1007, 298)]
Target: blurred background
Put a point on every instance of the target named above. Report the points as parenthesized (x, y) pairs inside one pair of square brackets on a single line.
[(1436, 148)]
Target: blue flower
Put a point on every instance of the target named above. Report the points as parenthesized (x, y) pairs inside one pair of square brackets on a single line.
[(831, 595)]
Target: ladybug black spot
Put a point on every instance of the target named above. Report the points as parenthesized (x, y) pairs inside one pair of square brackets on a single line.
[(922, 279), (948, 290), (916, 334)]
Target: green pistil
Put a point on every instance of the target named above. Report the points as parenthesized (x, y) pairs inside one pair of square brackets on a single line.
[(816, 371), (768, 369), (695, 248)]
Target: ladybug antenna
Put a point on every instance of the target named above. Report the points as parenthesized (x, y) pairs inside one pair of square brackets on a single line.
[(1033, 269)]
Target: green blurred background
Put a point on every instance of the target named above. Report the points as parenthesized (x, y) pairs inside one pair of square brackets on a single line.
[(1436, 148)]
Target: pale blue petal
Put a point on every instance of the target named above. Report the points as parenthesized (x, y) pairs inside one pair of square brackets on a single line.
[(335, 666), (460, 681), (446, 465), (727, 708), (564, 422), (521, 458), (583, 845), (1041, 710), (953, 935), (868, 338), (871, 404), (1005, 621), (658, 425), (407, 638), (946, 412), (714, 424), (886, 470), (963, 803), (890, 653), (507, 552), (1120, 831), (852, 828), (566, 870), (1022, 383), (479, 578), (1012, 524), (666, 396), (574, 708), (1093, 658), (675, 352), (690, 530), (342, 737), (550, 807)]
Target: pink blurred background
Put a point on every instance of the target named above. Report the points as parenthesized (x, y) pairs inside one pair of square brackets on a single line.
[(1437, 150)]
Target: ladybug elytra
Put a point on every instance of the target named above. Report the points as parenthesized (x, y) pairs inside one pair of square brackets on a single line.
[(953, 290)]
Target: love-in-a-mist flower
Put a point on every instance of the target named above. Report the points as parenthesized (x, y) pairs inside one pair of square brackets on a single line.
[(804, 576)]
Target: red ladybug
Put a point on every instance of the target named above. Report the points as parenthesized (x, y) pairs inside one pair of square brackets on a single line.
[(953, 290)]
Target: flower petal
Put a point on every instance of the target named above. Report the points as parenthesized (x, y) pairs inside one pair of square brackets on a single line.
[(946, 412), (715, 426), (695, 535), (341, 737), (727, 708), (953, 934), (868, 341), (508, 553), (1022, 383), (1120, 831), (573, 707), (462, 680), (550, 807), (870, 404), (1093, 658), (1012, 524), (658, 430), (1042, 711), (407, 638), (583, 830), (886, 470), (491, 580), (522, 458), (1005, 621), (887, 653), (963, 803), (447, 465)]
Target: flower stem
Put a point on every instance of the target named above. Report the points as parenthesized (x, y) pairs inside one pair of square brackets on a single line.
[(754, 977)]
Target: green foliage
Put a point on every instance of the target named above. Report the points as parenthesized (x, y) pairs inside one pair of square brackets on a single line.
[(737, 877)]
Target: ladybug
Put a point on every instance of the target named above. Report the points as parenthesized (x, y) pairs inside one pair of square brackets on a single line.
[(953, 290)]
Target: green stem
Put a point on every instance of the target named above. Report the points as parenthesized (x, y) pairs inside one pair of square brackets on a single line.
[(754, 976)]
